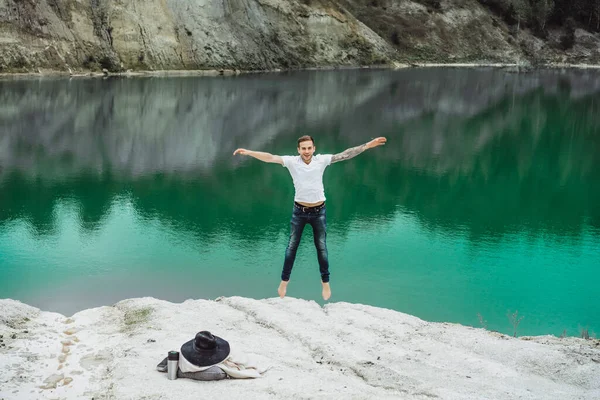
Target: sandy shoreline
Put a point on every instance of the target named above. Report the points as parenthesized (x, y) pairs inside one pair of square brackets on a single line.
[(230, 72), (341, 350)]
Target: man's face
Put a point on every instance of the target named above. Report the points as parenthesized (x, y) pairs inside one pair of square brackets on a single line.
[(306, 150)]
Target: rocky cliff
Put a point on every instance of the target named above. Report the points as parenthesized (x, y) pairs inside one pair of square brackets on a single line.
[(339, 351), (118, 35)]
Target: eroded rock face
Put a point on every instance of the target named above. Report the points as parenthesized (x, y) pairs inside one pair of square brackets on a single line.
[(183, 34), (118, 35)]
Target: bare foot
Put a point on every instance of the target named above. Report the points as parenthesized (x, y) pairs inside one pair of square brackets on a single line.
[(326, 291), (282, 288)]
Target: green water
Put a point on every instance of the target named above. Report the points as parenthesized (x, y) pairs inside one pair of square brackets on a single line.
[(486, 199)]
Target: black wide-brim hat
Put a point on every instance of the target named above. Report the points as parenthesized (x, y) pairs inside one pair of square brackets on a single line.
[(205, 349)]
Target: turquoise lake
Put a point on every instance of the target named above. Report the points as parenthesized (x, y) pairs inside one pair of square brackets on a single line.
[(485, 200)]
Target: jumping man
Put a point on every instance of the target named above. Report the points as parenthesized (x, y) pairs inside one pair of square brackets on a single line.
[(309, 200)]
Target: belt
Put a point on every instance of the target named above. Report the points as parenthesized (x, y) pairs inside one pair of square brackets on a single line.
[(309, 209)]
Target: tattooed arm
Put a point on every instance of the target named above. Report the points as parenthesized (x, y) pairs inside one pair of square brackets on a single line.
[(354, 151)]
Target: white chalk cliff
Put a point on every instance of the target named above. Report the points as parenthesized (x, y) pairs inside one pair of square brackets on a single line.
[(340, 351)]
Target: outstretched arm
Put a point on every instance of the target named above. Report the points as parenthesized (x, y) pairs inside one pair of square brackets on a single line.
[(354, 151), (259, 155)]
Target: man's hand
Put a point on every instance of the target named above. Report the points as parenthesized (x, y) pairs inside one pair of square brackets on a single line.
[(376, 142), (259, 155)]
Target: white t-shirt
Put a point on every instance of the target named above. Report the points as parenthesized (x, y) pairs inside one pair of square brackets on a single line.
[(308, 178)]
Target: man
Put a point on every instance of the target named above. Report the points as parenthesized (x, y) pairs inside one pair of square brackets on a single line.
[(309, 200)]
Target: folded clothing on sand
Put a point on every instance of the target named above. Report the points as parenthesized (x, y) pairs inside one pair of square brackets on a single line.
[(236, 365), (213, 373)]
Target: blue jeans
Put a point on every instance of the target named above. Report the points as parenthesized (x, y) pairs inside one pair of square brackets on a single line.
[(318, 221)]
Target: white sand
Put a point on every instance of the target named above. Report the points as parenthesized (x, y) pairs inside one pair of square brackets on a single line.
[(340, 351)]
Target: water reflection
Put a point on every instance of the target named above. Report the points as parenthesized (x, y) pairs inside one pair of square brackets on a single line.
[(484, 199), (486, 151)]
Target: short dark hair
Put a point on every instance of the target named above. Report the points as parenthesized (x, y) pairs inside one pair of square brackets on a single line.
[(305, 138)]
